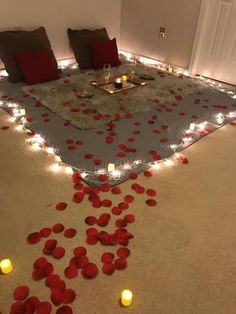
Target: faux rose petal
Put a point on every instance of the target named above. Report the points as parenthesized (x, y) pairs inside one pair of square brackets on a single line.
[(107, 203), (90, 271), (151, 192), (21, 293), (45, 232), (58, 228), (58, 252), (123, 252), (129, 218), (44, 308), (70, 233), (65, 309), (129, 198), (61, 206), (68, 296), (133, 175), (34, 238), (120, 263), (41, 262), (71, 272), (116, 210), (91, 220), (151, 202), (108, 269), (80, 251), (116, 190), (147, 173), (107, 257)]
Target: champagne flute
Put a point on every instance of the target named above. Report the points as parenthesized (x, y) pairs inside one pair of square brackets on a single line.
[(107, 72)]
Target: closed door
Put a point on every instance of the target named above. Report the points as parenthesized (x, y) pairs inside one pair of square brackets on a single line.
[(218, 50)]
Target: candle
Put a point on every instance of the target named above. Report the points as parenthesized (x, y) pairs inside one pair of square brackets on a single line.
[(118, 83), (126, 297), (111, 167), (22, 112), (6, 266), (192, 126), (118, 80), (124, 78), (170, 69)]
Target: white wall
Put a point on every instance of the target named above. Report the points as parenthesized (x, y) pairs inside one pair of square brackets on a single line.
[(58, 15), (142, 19)]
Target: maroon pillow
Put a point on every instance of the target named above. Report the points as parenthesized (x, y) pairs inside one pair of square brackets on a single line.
[(104, 51), (37, 66)]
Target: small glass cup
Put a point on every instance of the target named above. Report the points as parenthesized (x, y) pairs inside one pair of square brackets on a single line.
[(107, 72)]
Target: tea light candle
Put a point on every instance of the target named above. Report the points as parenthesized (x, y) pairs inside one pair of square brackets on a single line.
[(170, 69), (118, 83), (6, 266), (111, 167), (126, 297), (22, 112), (124, 78)]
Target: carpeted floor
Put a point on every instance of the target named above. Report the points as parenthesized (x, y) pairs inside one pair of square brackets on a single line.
[(183, 254)]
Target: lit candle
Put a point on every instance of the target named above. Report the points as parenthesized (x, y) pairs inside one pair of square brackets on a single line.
[(22, 112), (126, 297), (6, 266), (118, 80), (170, 69), (118, 83), (111, 167), (124, 78)]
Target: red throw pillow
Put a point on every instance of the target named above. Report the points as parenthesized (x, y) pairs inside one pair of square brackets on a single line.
[(104, 51), (37, 66)]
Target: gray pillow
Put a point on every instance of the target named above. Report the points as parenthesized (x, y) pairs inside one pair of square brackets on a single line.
[(12, 42), (80, 40)]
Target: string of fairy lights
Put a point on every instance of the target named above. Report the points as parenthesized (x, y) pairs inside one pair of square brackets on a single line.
[(38, 142)]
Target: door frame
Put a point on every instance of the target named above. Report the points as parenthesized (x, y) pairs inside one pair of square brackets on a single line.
[(199, 36)]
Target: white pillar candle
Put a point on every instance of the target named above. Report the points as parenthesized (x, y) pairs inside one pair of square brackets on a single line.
[(192, 126)]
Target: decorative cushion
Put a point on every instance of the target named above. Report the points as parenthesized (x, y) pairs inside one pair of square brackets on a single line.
[(12, 42), (79, 41), (104, 52), (37, 66)]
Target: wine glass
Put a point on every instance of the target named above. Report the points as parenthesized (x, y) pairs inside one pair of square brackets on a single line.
[(107, 72)]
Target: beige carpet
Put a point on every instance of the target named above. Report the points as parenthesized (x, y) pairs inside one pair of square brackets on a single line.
[(183, 255)]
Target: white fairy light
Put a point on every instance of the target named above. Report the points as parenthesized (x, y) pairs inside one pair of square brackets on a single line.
[(36, 146), (69, 170), (11, 105), (173, 146), (220, 118), (19, 128), (50, 150), (116, 173), (234, 96), (101, 171), (192, 126), (231, 114), (12, 119), (156, 165), (137, 162), (84, 175), (168, 162), (38, 139), (58, 158), (55, 167), (127, 166), (23, 120)]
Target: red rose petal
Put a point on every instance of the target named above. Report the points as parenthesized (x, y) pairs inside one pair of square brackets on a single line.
[(90, 271), (21, 293), (41, 262), (116, 210), (58, 252), (123, 206), (107, 258), (123, 252), (107, 203), (129, 198), (44, 308), (108, 269), (151, 202), (61, 206), (70, 233), (97, 162), (50, 244), (57, 228), (91, 220), (88, 156), (151, 192), (5, 127), (116, 190), (121, 223), (147, 173), (64, 310), (102, 177), (32, 302), (45, 232), (133, 175), (129, 218), (71, 272), (79, 251), (91, 232), (91, 240), (16, 308), (56, 297), (34, 238), (121, 263), (68, 296), (81, 261)]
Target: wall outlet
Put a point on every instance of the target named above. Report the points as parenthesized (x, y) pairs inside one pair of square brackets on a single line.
[(162, 32)]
